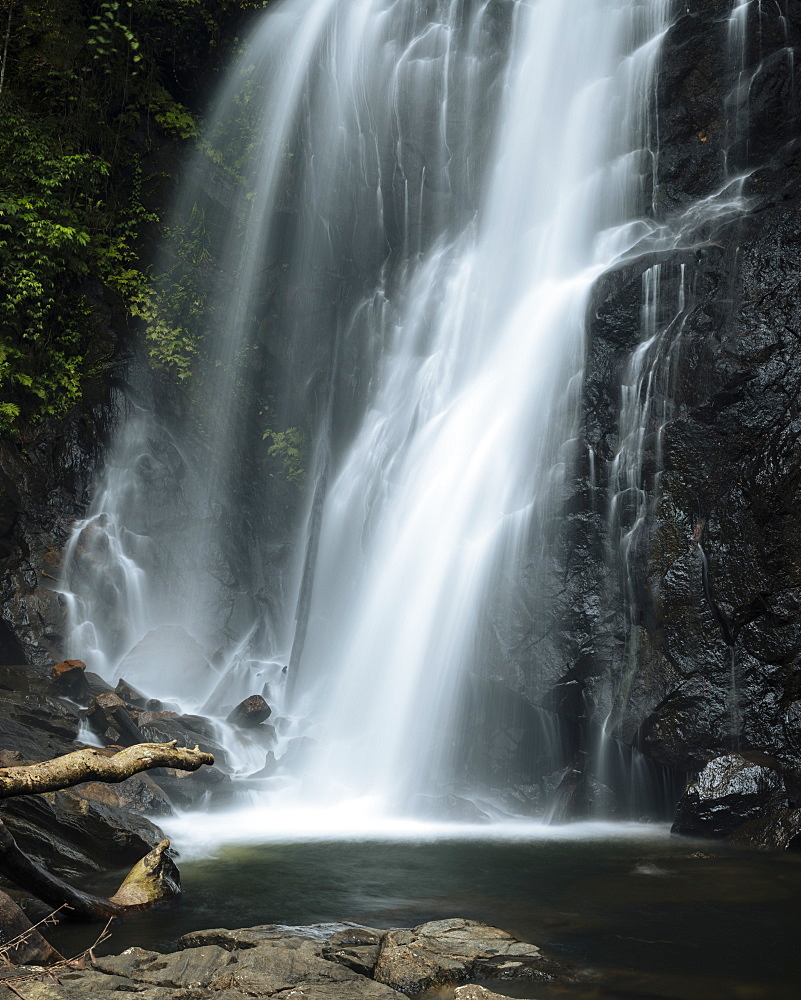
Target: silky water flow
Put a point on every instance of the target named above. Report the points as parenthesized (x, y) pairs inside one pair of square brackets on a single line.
[(431, 191)]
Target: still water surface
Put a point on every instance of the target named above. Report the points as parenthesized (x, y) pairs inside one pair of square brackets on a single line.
[(648, 917)]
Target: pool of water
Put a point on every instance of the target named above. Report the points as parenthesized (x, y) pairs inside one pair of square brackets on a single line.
[(650, 915)]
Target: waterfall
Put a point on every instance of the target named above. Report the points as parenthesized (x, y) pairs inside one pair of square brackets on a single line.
[(427, 194)]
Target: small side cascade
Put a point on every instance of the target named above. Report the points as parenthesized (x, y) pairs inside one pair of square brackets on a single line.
[(737, 103), (648, 404)]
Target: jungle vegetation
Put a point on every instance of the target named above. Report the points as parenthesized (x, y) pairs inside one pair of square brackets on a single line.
[(98, 101)]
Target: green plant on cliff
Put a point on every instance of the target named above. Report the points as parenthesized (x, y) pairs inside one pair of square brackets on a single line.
[(290, 448)]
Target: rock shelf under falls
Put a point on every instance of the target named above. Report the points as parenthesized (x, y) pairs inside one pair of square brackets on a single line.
[(316, 962)]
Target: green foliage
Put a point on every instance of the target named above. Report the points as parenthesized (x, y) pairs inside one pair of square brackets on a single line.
[(174, 118), (88, 87), (108, 36), (48, 198), (290, 448)]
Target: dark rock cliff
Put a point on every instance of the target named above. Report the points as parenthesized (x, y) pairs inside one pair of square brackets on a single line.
[(682, 545)]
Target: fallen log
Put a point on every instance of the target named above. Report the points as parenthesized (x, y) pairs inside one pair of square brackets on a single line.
[(92, 764)]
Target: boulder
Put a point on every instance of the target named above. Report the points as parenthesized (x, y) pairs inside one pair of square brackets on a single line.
[(109, 718), (260, 961), (443, 952), (278, 965), (97, 685), (184, 793), (189, 730), (730, 790), (69, 678), (130, 695), (356, 948), (154, 879), (474, 992), (297, 750), (295, 963), (73, 832), (409, 967), (32, 949), (251, 712), (254, 937), (137, 794), (580, 796), (191, 968), (33, 720)]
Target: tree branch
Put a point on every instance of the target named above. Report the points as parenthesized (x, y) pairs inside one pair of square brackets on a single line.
[(151, 881), (92, 764)]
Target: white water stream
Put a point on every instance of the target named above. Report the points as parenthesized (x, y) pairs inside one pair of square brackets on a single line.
[(477, 165), (447, 485)]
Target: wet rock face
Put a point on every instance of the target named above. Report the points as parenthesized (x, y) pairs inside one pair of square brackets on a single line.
[(44, 486)]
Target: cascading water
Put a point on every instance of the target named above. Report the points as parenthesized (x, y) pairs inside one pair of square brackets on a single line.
[(430, 192)]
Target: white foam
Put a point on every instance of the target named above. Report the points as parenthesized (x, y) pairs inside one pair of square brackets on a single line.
[(356, 820)]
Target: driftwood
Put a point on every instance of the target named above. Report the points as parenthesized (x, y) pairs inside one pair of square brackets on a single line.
[(152, 880), (92, 764)]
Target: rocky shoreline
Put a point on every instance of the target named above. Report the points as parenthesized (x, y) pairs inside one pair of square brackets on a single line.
[(314, 962)]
